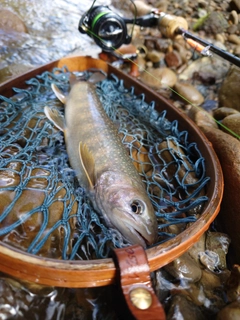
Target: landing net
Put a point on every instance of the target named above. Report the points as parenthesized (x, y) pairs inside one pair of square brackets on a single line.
[(44, 211)]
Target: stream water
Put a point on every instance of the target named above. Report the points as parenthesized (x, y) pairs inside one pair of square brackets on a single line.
[(52, 32)]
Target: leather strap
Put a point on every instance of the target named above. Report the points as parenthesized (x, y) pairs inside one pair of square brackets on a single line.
[(136, 284)]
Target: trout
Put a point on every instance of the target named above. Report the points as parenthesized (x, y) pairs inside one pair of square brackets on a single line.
[(102, 164)]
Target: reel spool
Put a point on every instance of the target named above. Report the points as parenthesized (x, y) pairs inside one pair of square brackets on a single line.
[(107, 28)]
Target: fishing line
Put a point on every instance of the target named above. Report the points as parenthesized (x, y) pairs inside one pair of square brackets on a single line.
[(174, 91)]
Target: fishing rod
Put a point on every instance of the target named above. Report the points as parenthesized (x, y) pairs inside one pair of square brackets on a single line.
[(109, 30)]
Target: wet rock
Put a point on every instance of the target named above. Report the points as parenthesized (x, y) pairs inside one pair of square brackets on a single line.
[(211, 251), (185, 54), (9, 21), (169, 151), (155, 56), (216, 69), (159, 77), (220, 37), (235, 5), (162, 283), (198, 246), (162, 5), (21, 300), (183, 308), (232, 122), (215, 23), (13, 71), (201, 117), (202, 3), (237, 50), (210, 260), (218, 243), (173, 59), (142, 8), (230, 312), (229, 93), (210, 280), (233, 284), (232, 29), (162, 44), (207, 293), (223, 112), (233, 17), (184, 268), (189, 92), (210, 105), (33, 197), (149, 44), (228, 152), (234, 39)]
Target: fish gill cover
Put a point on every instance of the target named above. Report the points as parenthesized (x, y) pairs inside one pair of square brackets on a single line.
[(44, 211)]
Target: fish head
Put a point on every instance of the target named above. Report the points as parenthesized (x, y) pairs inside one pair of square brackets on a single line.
[(127, 208)]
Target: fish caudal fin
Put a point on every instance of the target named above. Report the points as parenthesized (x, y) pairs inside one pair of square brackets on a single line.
[(55, 117), (88, 164), (58, 93)]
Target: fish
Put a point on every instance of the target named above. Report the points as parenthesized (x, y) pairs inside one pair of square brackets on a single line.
[(102, 165)]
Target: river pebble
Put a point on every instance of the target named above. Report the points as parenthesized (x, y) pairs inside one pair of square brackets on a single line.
[(159, 77), (233, 17), (232, 122), (234, 39), (223, 112), (215, 23), (173, 59), (184, 268), (229, 93), (230, 312), (183, 308), (216, 69), (233, 284), (235, 5), (10, 21), (155, 56), (227, 149), (201, 117), (189, 92)]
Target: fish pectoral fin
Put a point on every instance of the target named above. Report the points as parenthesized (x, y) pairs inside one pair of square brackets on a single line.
[(72, 79), (58, 93), (54, 116), (88, 164)]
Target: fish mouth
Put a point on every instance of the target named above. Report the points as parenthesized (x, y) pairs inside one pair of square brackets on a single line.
[(137, 237), (146, 242)]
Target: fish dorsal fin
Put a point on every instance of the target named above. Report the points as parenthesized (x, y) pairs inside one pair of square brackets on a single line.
[(54, 116), (88, 164), (58, 93)]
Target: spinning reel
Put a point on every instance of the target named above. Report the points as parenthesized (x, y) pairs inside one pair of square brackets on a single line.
[(108, 29)]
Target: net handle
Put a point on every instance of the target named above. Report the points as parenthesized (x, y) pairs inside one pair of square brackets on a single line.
[(134, 273)]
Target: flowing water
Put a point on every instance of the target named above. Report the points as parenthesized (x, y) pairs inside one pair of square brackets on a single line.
[(52, 32)]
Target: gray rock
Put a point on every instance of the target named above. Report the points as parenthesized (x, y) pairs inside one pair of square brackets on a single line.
[(227, 149), (229, 93), (189, 92), (10, 21)]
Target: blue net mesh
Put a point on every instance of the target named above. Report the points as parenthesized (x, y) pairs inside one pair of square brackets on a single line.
[(44, 211)]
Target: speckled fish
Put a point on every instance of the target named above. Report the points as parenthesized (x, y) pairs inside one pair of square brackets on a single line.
[(102, 164)]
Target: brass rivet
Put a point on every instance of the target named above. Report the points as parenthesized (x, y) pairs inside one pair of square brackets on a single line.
[(141, 298)]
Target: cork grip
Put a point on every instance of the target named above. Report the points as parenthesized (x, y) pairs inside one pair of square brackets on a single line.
[(168, 24)]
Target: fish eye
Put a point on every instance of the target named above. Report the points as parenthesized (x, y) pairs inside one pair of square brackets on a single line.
[(137, 207)]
